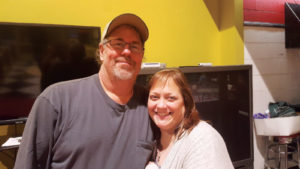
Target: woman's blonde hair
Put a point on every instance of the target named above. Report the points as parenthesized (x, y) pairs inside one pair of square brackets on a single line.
[(191, 115)]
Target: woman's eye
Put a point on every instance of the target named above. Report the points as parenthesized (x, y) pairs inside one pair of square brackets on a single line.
[(171, 98), (153, 97)]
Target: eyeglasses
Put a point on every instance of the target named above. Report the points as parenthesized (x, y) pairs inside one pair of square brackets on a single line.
[(119, 45)]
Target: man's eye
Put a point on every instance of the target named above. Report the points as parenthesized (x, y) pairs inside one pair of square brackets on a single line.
[(134, 47), (116, 42), (119, 44)]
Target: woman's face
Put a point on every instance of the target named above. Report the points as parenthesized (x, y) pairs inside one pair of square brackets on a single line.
[(166, 105)]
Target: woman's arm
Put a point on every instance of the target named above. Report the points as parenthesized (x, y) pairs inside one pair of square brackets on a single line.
[(207, 150)]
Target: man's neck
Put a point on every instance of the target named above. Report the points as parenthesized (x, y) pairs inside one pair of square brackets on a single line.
[(118, 90)]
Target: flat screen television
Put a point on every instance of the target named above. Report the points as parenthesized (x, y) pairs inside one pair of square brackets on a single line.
[(292, 25), (223, 96), (34, 56)]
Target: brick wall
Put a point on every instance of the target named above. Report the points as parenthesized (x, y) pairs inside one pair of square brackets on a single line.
[(276, 72)]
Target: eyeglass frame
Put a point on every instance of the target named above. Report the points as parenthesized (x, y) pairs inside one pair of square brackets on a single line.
[(130, 45)]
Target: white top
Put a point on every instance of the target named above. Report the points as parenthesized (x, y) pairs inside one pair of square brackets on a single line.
[(203, 148)]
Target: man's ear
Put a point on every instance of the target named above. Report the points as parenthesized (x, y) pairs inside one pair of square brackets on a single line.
[(101, 50)]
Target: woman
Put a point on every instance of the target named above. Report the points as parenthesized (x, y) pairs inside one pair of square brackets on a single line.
[(183, 140)]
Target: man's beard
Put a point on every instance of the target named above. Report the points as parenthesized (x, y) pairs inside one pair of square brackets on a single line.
[(125, 73)]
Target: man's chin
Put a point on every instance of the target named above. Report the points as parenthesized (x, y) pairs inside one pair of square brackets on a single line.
[(124, 74)]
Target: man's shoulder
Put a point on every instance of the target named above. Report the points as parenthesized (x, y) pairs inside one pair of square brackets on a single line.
[(69, 86)]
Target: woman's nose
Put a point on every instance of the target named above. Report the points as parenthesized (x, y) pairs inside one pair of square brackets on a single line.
[(161, 103)]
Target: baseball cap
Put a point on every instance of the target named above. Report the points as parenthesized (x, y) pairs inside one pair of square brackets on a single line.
[(127, 19)]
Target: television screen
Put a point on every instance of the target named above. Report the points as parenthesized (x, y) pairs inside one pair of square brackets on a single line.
[(292, 25), (223, 97), (34, 56)]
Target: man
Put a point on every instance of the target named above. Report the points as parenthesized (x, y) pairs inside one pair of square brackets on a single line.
[(96, 122)]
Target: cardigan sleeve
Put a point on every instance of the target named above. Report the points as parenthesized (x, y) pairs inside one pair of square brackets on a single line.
[(207, 149)]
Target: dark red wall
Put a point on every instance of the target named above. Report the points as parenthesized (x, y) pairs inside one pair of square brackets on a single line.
[(271, 11)]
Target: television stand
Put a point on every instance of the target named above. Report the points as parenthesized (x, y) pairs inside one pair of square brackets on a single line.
[(12, 143), (13, 121)]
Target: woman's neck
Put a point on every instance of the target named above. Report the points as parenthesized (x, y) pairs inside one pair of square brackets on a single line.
[(166, 143), (166, 139)]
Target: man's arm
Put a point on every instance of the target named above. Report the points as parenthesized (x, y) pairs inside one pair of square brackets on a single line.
[(37, 140)]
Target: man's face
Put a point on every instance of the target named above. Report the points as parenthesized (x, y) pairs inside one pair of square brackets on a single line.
[(122, 64)]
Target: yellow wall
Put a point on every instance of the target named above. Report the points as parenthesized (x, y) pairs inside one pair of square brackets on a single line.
[(231, 33), (182, 33)]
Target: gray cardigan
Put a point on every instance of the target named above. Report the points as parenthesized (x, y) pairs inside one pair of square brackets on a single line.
[(203, 148)]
